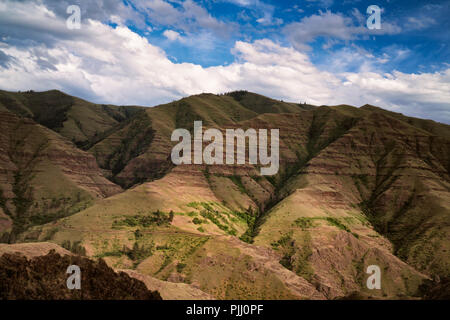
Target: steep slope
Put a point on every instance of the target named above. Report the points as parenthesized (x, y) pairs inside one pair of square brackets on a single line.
[(136, 229), (356, 187), (408, 191), (43, 176), (80, 121), (391, 172), (123, 150), (140, 150), (433, 127)]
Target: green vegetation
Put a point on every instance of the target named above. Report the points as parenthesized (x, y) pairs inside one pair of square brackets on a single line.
[(138, 234), (167, 260), (222, 219), (335, 222), (216, 218), (136, 137), (237, 180), (139, 253), (295, 256), (250, 218), (308, 222), (50, 233), (77, 120), (156, 218), (260, 104), (27, 210), (180, 267), (395, 165), (304, 223), (74, 247)]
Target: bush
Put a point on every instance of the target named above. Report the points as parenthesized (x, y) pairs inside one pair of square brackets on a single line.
[(335, 222), (75, 247), (180, 267), (157, 218), (138, 234), (139, 253), (304, 223)]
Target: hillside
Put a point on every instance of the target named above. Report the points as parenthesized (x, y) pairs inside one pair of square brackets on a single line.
[(356, 187), (140, 150), (78, 120), (43, 277), (43, 176)]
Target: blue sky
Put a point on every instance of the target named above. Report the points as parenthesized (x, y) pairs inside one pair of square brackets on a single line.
[(149, 52), (420, 43)]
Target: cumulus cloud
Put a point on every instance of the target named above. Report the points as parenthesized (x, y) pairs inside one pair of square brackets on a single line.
[(91, 9), (331, 26), (325, 24), (421, 95), (172, 35), (6, 60), (44, 20), (116, 65)]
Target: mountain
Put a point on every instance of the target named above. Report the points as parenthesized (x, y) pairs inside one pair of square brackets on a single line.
[(75, 119), (140, 150), (356, 187), (43, 175)]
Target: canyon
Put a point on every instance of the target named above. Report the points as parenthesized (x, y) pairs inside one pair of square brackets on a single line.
[(355, 187)]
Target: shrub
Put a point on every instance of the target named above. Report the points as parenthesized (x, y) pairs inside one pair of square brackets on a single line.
[(137, 234), (304, 223), (157, 218), (335, 222), (75, 247), (139, 253), (180, 267)]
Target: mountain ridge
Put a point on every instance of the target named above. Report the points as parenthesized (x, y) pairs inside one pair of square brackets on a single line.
[(356, 186)]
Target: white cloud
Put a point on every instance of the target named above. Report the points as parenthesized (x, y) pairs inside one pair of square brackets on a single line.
[(263, 12), (419, 23), (116, 65), (172, 35), (187, 16), (325, 24), (331, 26)]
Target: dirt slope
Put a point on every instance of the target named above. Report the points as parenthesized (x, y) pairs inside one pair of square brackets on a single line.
[(356, 187)]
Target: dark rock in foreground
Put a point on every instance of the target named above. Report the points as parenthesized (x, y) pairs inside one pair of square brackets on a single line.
[(45, 277)]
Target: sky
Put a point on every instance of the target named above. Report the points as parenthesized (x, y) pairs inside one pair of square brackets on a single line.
[(148, 52)]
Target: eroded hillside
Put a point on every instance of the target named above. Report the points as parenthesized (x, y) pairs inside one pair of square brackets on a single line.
[(356, 187)]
